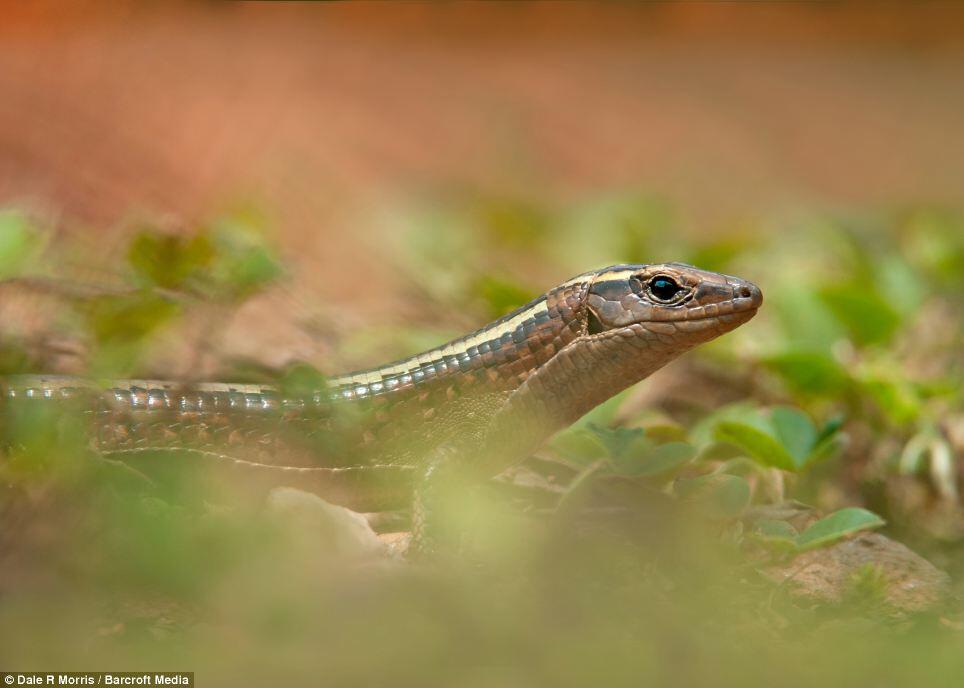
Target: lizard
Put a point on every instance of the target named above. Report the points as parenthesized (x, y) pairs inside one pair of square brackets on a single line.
[(475, 405)]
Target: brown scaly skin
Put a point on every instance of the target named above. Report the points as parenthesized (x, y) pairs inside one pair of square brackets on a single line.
[(481, 402)]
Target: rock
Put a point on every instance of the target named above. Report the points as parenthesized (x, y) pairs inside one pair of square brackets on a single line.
[(339, 531), (397, 543), (910, 583)]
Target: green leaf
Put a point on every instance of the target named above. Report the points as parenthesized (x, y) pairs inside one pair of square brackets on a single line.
[(783, 437), (840, 523), (580, 445), (809, 372), (604, 414), (825, 449), (758, 444), (776, 534), (898, 399), (301, 380), (828, 442), (934, 243), (772, 528), (122, 326), (805, 321), (243, 262), (171, 261), (621, 442), (903, 285), (660, 460), (720, 451), (19, 243), (719, 495), (830, 428), (127, 317), (868, 317), (665, 432), (795, 431)]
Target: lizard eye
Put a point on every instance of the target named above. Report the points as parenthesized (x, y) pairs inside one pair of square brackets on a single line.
[(663, 288)]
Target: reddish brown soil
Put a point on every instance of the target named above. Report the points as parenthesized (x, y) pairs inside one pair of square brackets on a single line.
[(326, 112)]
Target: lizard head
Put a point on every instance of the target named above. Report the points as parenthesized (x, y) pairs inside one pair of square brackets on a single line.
[(628, 321), (672, 305)]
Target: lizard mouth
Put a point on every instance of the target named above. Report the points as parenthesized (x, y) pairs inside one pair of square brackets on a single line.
[(744, 310), (723, 322)]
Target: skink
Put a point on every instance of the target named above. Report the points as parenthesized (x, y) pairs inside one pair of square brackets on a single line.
[(492, 396)]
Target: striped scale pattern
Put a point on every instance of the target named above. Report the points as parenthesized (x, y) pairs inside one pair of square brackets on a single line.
[(390, 414), (489, 398)]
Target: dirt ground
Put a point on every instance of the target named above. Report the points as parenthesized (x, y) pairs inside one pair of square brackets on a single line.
[(328, 115)]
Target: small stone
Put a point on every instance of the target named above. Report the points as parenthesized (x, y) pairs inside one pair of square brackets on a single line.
[(340, 531), (911, 583)]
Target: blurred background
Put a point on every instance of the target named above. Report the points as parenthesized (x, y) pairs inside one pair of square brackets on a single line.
[(330, 117), (345, 183), (335, 120)]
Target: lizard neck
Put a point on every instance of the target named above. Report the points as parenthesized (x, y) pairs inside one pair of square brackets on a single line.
[(561, 392), (499, 356)]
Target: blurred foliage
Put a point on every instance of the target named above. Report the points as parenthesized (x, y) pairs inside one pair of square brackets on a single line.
[(845, 392), (121, 324), (20, 243), (166, 275), (861, 314), (854, 364), (784, 437), (228, 260), (836, 525), (784, 537)]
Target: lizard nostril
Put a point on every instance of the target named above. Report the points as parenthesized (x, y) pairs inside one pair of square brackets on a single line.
[(745, 292)]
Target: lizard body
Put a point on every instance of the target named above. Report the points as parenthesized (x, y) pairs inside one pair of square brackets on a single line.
[(492, 396)]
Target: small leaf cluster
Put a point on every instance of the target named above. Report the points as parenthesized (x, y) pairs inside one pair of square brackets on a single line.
[(227, 260), (715, 467), (861, 325), (782, 437), (165, 275), (784, 536)]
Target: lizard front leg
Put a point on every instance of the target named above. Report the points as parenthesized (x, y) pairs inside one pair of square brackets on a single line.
[(439, 484)]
